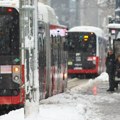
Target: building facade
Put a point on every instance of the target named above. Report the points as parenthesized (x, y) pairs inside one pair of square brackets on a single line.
[(117, 4), (83, 12), (76, 12), (88, 12), (117, 10), (68, 11), (61, 8), (106, 12)]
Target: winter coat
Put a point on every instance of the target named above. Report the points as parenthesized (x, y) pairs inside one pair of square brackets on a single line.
[(110, 64), (117, 69)]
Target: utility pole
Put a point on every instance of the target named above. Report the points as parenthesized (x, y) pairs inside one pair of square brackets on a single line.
[(36, 67), (29, 39)]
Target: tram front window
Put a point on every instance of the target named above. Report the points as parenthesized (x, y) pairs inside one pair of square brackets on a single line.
[(9, 33), (82, 42)]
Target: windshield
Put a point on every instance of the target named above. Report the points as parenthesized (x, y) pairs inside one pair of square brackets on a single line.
[(82, 42), (9, 32)]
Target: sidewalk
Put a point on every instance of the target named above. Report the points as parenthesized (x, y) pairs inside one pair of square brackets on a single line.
[(107, 104)]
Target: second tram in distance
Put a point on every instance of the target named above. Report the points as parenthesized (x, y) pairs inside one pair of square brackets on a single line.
[(86, 51)]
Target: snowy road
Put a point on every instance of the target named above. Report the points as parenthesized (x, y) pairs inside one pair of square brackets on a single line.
[(75, 82), (85, 102)]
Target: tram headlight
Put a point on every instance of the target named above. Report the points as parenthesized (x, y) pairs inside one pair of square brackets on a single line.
[(94, 62), (16, 79)]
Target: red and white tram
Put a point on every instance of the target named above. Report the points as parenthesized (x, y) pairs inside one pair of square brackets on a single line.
[(52, 57), (86, 50)]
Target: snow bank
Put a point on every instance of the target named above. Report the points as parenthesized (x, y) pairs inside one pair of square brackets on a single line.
[(14, 115), (60, 107), (91, 84)]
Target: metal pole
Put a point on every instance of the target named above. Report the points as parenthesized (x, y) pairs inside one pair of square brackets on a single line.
[(36, 75), (48, 61), (29, 29)]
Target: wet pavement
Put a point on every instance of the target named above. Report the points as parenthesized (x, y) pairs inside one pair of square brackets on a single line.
[(107, 103)]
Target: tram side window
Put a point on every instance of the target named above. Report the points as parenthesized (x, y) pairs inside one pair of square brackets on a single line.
[(91, 47)]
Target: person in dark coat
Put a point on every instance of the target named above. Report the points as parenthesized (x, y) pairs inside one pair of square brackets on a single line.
[(117, 70), (118, 66), (110, 69)]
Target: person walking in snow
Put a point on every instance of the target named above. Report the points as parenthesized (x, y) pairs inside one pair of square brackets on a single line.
[(110, 69)]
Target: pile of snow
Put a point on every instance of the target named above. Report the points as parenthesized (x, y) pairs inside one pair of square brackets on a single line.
[(71, 105), (60, 107), (14, 115), (91, 83)]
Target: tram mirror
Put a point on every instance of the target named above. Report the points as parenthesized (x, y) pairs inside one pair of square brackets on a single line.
[(66, 36), (65, 46)]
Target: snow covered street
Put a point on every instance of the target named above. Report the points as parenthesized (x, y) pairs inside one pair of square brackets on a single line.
[(87, 102)]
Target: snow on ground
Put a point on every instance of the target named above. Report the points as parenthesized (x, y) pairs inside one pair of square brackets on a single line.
[(84, 102), (91, 83)]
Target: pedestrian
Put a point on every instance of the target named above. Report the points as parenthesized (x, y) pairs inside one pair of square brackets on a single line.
[(110, 69), (117, 71)]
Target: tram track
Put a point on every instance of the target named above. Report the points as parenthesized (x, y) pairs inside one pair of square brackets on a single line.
[(75, 82)]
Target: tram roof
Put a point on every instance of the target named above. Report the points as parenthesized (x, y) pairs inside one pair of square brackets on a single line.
[(96, 30), (47, 14), (9, 3), (113, 26)]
